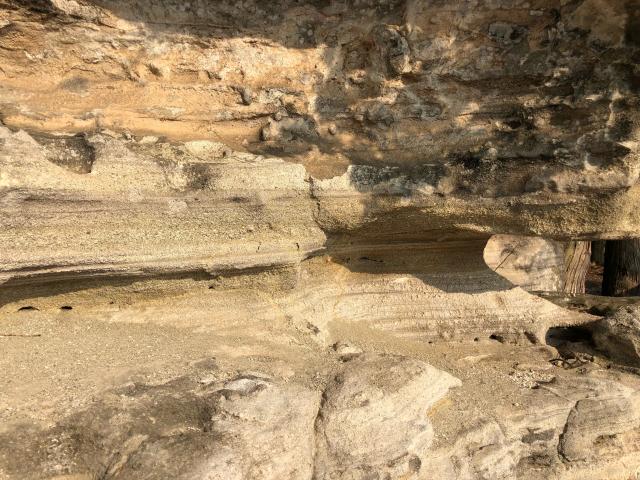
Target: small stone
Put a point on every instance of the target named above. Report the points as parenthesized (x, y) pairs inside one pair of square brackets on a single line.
[(158, 71), (245, 384), (148, 140), (332, 129), (109, 133), (265, 133), (246, 94), (345, 349), (208, 379)]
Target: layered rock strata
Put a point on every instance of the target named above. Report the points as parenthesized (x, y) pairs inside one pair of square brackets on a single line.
[(245, 240)]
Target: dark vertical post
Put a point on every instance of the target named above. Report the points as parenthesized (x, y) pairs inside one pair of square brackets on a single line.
[(621, 268)]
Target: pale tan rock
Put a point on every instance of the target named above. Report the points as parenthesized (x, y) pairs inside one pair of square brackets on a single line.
[(597, 426), (373, 419), (618, 334), (268, 431), (199, 200), (533, 263)]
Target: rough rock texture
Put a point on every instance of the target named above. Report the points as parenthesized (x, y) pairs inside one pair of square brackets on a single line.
[(618, 334), (540, 265), (367, 401), (244, 240)]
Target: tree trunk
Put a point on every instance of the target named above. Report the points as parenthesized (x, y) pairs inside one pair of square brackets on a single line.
[(577, 261), (597, 251), (621, 268)]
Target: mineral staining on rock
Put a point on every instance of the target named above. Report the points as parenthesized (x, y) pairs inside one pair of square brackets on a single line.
[(254, 240)]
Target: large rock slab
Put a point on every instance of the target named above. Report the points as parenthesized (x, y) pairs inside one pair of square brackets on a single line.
[(533, 263), (618, 334), (373, 421), (303, 191)]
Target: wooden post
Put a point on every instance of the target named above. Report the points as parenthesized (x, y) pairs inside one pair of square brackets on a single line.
[(621, 268), (577, 262)]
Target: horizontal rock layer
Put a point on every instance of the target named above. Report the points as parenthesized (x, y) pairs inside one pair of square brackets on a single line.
[(247, 240)]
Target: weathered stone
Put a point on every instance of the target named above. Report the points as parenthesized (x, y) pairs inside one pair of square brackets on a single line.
[(246, 240), (618, 334), (373, 420)]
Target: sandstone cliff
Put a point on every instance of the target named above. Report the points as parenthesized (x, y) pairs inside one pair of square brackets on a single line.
[(246, 240)]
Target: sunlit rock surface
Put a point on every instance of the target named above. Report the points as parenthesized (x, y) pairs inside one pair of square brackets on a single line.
[(246, 240)]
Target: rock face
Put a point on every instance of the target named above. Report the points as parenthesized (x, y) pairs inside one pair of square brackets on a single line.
[(618, 334), (248, 426), (372, 422), (246, 240), (540, 265), (593, 427), (533, 263)]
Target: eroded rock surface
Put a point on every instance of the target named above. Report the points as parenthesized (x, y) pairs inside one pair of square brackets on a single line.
[(533, 263), (618, 334), (373, 418), (246, 240)]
